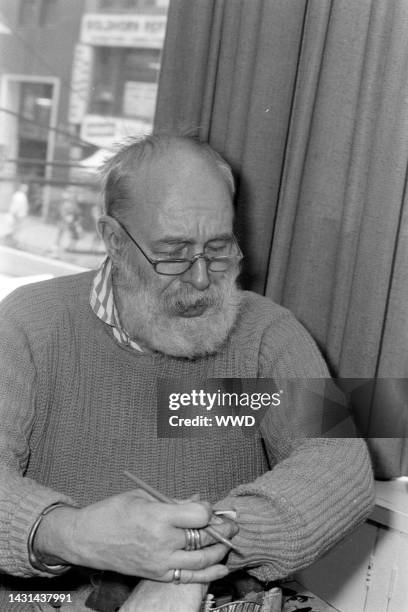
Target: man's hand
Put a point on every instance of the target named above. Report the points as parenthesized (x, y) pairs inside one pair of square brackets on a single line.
[(151, 596), (130, 534)]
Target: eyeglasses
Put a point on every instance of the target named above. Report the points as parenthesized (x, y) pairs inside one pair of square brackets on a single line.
[(221, 259)]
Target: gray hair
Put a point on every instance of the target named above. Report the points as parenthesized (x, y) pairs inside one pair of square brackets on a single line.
[(118, 171)]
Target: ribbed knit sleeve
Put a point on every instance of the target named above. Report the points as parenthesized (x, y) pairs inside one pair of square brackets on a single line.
[(21, 499), (318, 490)]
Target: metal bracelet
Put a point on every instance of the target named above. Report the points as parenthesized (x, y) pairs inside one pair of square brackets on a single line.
[(35, 562)]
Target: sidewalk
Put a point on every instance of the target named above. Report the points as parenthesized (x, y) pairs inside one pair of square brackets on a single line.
[(40, 238)]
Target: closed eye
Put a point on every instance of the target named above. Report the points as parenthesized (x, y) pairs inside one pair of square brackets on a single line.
[(178, 253), (215, 248), (218, 247)]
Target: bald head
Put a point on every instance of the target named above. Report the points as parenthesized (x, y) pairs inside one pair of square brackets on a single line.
[(142, 172)]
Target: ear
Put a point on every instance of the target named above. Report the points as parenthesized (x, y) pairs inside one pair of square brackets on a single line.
[(111, 234)]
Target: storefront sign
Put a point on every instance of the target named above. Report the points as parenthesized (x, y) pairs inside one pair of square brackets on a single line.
[(106, 131), (110, 30), (80, 82)]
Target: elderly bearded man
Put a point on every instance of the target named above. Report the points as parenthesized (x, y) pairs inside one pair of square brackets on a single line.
[(81, 356)]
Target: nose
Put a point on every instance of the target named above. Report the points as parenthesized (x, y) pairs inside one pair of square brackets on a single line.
[(197, 275)]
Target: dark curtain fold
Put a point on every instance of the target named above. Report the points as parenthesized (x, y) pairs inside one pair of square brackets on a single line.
[(228, 71), (308, 101)]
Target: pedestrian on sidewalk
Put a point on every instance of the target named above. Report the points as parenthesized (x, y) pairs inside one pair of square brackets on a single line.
[(70, 220), (17, 212)]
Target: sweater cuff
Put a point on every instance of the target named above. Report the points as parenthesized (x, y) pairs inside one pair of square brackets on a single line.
[(263, 536), (25, 510)]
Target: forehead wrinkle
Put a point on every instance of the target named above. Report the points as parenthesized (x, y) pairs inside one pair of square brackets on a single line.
[(171, 194), (192, 223), (182, 239), (173, 239)]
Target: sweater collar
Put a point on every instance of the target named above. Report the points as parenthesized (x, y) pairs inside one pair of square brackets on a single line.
[(102, 301)]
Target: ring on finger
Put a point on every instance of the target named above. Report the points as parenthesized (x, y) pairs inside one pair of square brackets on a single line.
[(193, 539), (197, 539), (189, 539)]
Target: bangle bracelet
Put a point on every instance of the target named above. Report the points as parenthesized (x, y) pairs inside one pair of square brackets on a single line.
[(35, 562)]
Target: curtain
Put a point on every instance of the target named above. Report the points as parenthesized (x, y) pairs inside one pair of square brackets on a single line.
[(308, 100), (228, 72)]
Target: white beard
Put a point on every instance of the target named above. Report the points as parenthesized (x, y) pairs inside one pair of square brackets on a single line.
[(158, 325)]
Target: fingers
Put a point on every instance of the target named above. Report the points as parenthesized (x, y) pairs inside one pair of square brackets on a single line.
[(227, 529), (215, 572), (189, 514), (199, 559), (184, 513), (181, 540)]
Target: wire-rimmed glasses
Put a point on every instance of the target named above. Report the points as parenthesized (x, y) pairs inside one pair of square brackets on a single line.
[(218, 259)]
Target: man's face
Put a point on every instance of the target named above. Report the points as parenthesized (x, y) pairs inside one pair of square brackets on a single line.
[(185, 206)]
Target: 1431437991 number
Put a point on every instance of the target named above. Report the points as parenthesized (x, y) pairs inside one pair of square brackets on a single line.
[(31, 597)]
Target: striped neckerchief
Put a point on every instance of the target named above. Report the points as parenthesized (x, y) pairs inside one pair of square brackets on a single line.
[(102, 302)]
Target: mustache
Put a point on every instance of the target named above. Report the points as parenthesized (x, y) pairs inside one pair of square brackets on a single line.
[(183, 298), (179, 298)]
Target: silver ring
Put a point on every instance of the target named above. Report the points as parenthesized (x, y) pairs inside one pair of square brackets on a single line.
[(177, 576), (189, 539), (193, 539), (197, 539)]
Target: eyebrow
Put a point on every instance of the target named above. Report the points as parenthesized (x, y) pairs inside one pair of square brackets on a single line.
[(186, 240), (172, 240)]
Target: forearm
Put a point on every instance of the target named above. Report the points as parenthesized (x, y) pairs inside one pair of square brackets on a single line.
[(21, 501), (293, 514)]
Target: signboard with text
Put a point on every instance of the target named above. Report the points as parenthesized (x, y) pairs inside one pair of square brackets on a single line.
[(123, 30)]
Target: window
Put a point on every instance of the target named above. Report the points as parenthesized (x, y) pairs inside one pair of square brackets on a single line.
[(33, 131), (80, 77)]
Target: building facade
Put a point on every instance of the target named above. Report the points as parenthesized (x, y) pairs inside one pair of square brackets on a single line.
[(76, 77), (118, 64)]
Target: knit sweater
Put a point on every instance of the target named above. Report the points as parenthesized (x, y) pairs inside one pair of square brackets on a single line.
[(76, 409)]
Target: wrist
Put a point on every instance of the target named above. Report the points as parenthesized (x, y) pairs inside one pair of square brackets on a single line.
[(51, 541)]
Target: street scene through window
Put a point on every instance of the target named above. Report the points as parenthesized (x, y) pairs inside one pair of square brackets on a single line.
[(77, 77)]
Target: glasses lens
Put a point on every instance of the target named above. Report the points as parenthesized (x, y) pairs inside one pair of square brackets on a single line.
[(172, 267), (220, 264), (215, 264), (221, 248)]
